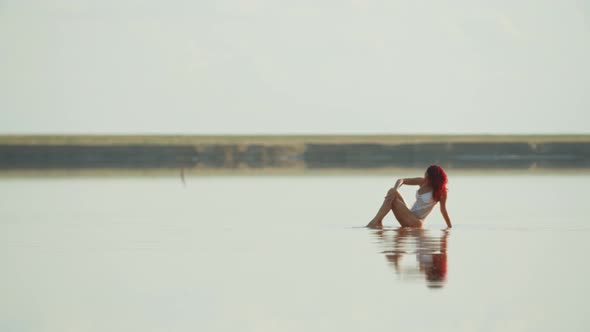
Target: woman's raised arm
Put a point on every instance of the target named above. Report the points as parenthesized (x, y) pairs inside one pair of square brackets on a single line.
[(413, 181)]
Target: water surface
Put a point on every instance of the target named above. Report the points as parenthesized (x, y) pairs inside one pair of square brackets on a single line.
[(285, 253)]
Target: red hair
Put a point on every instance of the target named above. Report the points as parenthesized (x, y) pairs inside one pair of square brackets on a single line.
[(438, 180), (438, 270)]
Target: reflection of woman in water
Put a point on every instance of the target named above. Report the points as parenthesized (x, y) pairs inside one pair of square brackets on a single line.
[(430, 251), (432, 189)]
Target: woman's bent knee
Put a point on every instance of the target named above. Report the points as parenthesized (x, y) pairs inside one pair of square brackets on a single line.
[(392, 192)]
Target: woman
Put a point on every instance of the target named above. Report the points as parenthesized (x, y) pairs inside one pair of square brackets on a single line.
[(432, 189)]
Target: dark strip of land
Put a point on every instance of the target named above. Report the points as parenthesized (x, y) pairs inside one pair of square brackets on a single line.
[(294, 152)]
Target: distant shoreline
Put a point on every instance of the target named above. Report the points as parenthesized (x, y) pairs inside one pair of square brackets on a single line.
[(238, 153), (280, 139)]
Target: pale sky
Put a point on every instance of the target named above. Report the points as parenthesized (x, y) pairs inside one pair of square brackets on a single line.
[(294, 67)]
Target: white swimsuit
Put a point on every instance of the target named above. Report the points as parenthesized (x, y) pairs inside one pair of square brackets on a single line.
[(423, 205)]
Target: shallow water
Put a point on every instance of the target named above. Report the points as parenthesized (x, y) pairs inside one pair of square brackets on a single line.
[(286, 254)]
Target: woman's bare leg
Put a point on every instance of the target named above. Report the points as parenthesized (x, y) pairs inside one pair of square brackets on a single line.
[(403, 215), (387, 206)]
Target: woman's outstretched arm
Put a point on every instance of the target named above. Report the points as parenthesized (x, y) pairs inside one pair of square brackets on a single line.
[(443, 210), (412, 181)]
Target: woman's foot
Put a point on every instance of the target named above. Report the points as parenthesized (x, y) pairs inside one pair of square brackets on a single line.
[(375, 224)]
